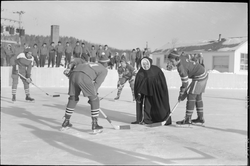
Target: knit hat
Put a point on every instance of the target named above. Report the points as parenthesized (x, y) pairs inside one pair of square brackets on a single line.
[(103, 58)]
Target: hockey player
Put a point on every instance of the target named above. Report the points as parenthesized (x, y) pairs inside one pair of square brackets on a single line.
[(86, 78), (22, 64), (190, 70), (126, 73), (151, 92)]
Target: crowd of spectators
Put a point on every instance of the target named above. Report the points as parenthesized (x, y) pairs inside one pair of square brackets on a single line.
[(57, 55)]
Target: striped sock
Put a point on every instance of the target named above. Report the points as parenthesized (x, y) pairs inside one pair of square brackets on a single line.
[(68, 112), (95, 113), (13, 91)]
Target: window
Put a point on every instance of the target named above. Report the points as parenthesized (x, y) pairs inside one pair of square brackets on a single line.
[(243, 61)]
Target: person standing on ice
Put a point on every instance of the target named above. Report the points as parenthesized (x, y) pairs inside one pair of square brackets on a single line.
[(189, 69), (125, 73), (151, 93), (86, 78), (22, 64)]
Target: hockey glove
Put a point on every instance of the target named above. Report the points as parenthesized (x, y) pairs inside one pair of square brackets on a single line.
[(182, 94), (29, 80), (67, 72)]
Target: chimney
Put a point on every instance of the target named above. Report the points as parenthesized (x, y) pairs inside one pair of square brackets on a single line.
[(219, 37)]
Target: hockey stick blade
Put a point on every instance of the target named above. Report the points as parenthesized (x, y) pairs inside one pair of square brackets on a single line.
[(115, 127), (56, 96)]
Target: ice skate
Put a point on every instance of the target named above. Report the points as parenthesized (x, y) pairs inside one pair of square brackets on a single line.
[(29, 99), (13, 98), (66, 125), (199, 122), (116, 98), (186, 122), (95, 127)]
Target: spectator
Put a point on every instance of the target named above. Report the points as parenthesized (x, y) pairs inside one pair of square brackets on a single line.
[(35, 53), (9, 52), (138, 58), (117, 60), (99, 52), (3, 56), (68, 54), (77, 50), (146, 53), (93, 54), (111, 62), (59, 53), (132, 58), (199, 59), (52, 54), (43, 54), (85, 52)]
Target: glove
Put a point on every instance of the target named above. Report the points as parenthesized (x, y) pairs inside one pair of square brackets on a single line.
[(29, 80), (182, 94), (132, 79), (67, 72), (138, 99)]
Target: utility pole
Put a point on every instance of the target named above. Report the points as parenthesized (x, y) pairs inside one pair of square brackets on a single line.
[(20, 17), (147, 45)]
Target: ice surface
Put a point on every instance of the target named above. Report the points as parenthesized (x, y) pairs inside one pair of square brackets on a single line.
[(30, 132)]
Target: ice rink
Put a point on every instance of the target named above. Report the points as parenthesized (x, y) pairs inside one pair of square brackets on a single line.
[(30, 131)]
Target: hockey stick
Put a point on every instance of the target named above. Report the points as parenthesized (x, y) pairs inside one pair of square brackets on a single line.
[(38, 87), (110, 92), (115, 127)]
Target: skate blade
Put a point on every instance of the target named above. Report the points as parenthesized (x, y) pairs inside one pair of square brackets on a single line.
[(184, 126), (94, 132), (64, 128), (28, 101), (198, 124)]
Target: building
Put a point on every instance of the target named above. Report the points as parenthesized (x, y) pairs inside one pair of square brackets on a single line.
[(224, 55)]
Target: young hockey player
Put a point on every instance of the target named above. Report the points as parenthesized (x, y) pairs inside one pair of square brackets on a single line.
[(126, 73), (22, 64), (86, 78), (151, 92), (190, 70)]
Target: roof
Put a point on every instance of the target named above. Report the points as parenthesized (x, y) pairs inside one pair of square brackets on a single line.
[(226, 44)]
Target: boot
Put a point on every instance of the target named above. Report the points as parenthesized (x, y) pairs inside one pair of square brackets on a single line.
[(200, 118), (66, 124), (186, 121), (13, 97), (95, 126), (28, 98), (116, 98)]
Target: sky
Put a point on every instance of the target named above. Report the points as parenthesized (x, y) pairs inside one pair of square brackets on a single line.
[(131, 24)]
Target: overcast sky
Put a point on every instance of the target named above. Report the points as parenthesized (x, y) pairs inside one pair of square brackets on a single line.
[(128, 25)]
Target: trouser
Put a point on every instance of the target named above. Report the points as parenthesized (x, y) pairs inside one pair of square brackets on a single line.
[(58, 59), (92, 59), (138, 65), (15, 82), (42, 60), (194, 98), (7, 60), (67, 59), (85, 57), (36, 60), (131, 83), (77, 55), (132, 63), (80, 82), (51, 59), (117, 65), (3, 61)]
